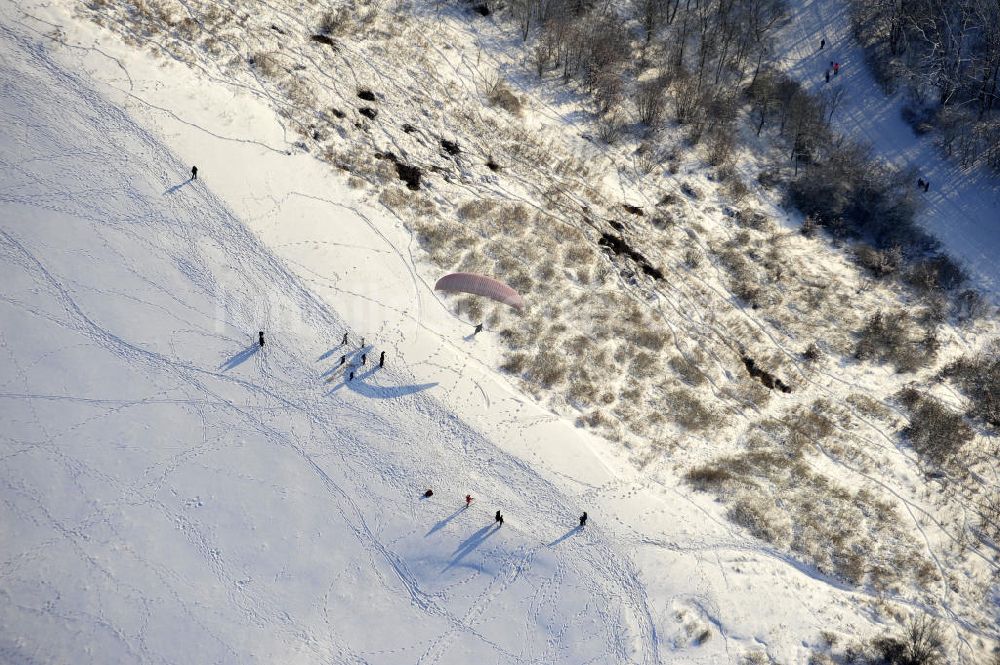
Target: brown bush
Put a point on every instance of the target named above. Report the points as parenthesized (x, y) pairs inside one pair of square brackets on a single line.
[(935, 432)]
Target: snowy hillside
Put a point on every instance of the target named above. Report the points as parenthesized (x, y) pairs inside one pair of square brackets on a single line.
[(165, 478), (962, 206), (171, 492)]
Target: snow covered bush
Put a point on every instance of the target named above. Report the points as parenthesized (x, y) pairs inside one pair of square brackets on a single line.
[(893, 337), (500, 95), (979, 378), (935, 432), (687, 409), (921, 643)]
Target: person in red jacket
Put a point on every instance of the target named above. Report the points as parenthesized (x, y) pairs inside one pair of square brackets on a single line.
[(468, 500)]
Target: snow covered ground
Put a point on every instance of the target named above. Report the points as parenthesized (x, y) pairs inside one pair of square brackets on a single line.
[(162, 477), (962, 208)]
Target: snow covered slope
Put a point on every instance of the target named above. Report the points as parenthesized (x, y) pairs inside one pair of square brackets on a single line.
[(172, 493), (962, 208), (175, 495)]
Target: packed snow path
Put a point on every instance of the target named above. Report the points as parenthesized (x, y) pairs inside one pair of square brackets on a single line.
[(962, 207), (172, 493)]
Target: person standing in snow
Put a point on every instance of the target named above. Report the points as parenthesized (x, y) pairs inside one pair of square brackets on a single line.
[(498, 519), (836, 68), (345, 339), (827, 76), (350, 377), (583, 519), (364, 358), (343, 359), (927, 185), (261, 338), (468, 500), (920, 183), (194, 172), (479, 329), (381, 360), (822, 43)]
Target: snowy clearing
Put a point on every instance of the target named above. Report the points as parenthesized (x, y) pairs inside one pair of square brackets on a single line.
[(163, 476)]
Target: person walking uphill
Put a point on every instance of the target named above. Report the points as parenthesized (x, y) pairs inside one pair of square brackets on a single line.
[(583, 519), (499, 519), (194, 172), (261, 338), (381, 360)]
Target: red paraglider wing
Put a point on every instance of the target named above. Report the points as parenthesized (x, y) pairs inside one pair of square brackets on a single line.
[(480, 285)]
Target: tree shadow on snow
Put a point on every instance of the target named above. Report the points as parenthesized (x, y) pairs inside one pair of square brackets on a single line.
[(177, 187), (239, 358), (564, 536), (443, 523), (470, 544)]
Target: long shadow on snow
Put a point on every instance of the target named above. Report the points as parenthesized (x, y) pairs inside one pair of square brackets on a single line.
[(349, 362), (563, 537), (443, 523), (470, 544), (239, 358), (175, 188), (375, 391)]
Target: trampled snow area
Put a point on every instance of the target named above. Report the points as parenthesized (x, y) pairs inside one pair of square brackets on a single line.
[(172, 493), (962, 206)]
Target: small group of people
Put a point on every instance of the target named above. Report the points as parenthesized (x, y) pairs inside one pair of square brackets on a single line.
[(498, 518), (835, 67), (364, 358), (923, 184)]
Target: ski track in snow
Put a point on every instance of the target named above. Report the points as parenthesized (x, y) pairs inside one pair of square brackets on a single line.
[(262, 390), (961, 208), (278, 390)]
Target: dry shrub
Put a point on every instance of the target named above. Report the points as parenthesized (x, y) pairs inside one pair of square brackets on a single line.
[(500, 95), (595, 418), (268, 64), (979, 378), (644, 365), (476, 209), (935, 432), (582, 390), (869, 407), (512, 219), (648, 338), (747, 392), (437, 236), (335, 21), (515, 363), (892, 337), (708, 476), (578, 255), (688, 367), (688, 410), (394, 198), (762, 519), (547, 369), (471, 307)]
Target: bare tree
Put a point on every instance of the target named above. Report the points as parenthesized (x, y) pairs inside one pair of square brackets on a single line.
[(649, 100)]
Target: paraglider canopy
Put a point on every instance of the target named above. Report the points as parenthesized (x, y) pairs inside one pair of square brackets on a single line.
[(480, 285)]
